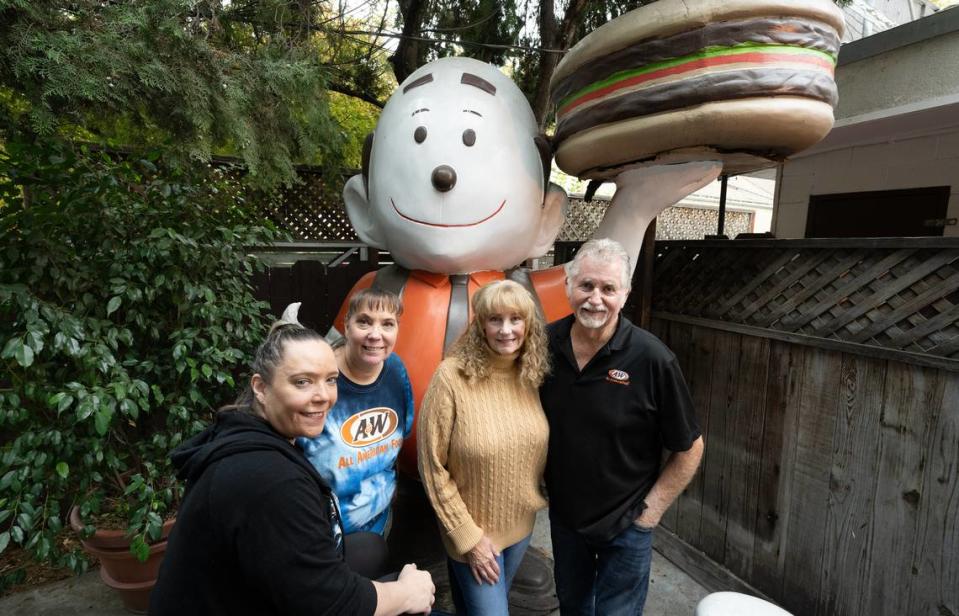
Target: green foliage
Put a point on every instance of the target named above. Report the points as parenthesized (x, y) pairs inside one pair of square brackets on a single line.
[(494, 22), (125, 315), (195, 77), (357, 119), (352, 49)]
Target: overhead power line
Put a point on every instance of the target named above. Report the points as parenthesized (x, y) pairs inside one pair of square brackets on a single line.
[(426, 39)]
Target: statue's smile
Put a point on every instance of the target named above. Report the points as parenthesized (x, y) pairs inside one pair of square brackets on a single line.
[(433, 224)]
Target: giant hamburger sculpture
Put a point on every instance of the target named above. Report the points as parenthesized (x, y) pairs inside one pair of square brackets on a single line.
[(745, 82)]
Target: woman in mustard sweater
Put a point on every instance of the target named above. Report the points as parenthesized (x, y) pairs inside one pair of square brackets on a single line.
[(482, 445)]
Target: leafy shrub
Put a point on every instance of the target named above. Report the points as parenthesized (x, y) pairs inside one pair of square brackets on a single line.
[(126, 314)]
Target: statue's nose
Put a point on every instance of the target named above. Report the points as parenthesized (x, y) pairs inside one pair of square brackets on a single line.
[(444, 178)]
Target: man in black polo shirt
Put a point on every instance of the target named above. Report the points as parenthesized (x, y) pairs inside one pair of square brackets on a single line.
[(615, 398)]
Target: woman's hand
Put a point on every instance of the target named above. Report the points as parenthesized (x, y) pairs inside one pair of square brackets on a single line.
[(482, 561), (411, 593), (420, 589)]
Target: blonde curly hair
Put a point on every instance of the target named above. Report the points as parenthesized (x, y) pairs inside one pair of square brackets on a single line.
[(474, 353)]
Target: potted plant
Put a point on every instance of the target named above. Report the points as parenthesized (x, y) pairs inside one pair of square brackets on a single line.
[(126, 314)]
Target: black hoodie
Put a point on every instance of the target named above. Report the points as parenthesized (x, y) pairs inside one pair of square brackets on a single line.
[(257, 532)]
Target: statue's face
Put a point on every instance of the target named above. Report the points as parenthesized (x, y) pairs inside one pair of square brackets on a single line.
[(455, 179)]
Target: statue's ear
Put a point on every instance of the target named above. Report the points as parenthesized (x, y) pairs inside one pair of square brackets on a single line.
[(367, 151), (551, 220), (360, 212), (545, 149)]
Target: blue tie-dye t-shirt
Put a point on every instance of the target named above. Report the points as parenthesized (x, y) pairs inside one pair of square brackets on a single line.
[(356, 453)]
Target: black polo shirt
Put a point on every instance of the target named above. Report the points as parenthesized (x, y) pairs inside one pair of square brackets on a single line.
[(608, 426)]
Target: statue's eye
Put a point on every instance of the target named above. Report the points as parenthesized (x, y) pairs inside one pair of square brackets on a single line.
[(469, 137), (419, 135)]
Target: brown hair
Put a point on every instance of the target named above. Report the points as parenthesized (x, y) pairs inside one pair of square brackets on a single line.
[(374, 299), (473, 350)]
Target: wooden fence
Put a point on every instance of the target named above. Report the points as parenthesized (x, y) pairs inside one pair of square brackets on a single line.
[(320, 289), (826, 378), (827, 386)]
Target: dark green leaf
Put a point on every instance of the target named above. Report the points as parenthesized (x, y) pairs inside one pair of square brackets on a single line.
[(24, 356), (64, 403), (140, 548), (84, 409), (102, 420), (128, 407), (113, 305), (35, 340), (73, 347), (10, 348)]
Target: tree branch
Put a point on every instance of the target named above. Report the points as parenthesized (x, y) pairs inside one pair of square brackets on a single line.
[(407, 56), (343, 88), (553, 35), (571, 19)]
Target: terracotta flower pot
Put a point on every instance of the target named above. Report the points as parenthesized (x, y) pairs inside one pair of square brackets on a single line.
[(124, 567), (135, 596), (119, 568), (107, 539)]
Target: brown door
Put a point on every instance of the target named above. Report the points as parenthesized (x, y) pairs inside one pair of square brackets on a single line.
[(915, 212)]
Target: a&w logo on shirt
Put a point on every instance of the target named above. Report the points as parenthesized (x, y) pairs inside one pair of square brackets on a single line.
[(369, 426), (620, 377)]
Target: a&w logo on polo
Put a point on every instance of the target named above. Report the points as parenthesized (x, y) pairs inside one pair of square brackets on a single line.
[(619, 377), (369, 426)]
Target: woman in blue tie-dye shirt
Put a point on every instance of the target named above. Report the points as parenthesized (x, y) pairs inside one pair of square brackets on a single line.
[(356, 453)]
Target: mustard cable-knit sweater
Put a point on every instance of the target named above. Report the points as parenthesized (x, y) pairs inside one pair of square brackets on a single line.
[(482, 451)]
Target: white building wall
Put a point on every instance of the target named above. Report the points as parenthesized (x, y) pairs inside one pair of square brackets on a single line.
[(903, 11), (912, 163), (763, 221), (867, 17), (908, 76), (864, 20)]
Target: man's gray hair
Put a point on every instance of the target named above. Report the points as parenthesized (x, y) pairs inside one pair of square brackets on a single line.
[(603, 249)]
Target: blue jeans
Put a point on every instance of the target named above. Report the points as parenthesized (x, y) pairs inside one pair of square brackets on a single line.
[(474, 599), (602, 578)]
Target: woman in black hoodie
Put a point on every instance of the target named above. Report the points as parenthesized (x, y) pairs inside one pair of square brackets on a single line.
[(258, 531)]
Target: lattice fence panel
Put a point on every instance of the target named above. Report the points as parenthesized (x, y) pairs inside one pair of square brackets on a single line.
[(310, 210), (675, 223), (582, 219), (900, 294), (694, 223)]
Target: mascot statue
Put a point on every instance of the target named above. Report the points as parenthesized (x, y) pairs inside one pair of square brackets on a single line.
[(455, 185)]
